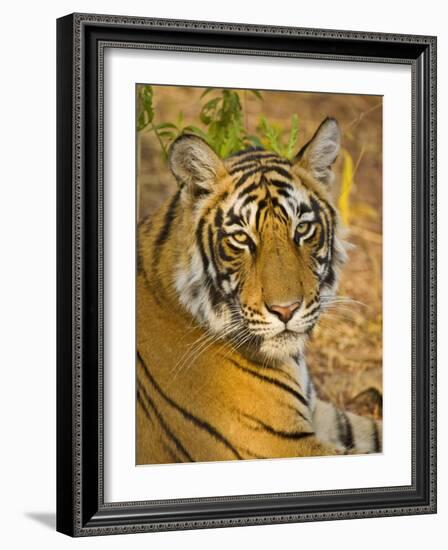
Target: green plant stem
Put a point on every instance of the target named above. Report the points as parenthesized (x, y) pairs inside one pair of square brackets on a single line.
[(245, 111), (154, 129)]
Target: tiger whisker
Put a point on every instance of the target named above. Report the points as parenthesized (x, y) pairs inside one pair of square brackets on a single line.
[(202, 344)]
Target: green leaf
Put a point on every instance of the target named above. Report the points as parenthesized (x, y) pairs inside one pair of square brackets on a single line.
[(254, 141), (210, 105), (145, 111), (166, 125), (208, 110), (230, 142), (293, 135), (167, 133), (207, 91), (223, 128), (257, 94), (271, 136), (194, 130)]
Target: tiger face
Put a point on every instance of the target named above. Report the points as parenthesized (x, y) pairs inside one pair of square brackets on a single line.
[(264, 251)]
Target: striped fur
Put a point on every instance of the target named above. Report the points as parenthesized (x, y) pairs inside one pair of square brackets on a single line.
[(221, 375)]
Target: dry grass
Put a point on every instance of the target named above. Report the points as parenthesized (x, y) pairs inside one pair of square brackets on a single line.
[(345, 351)]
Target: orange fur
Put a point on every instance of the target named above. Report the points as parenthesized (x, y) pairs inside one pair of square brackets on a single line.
[(220, 372), (215, 385)]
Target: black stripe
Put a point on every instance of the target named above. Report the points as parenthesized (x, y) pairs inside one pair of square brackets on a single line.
[(252, 246), (164, 425), (214, 289), (304, 208), (232, 218), (296, 411), (245, 177), (279, 371), (234, 248), (285, 193), (211, 246), (251, 454), (250, 163), (322, 236), (324, 211), (144, 407), (280, 171), (186, 414), (252, 187), (262, 155), (221, 198), (329, 211), (314, 299), (244, 152), (311, 312), (201, 244), (213, 292), (330, 232), (276, 204), (261, 206), (349, 440), (259, 322), (164, 233), (174, 456), (169, 217), (237, 249), (330, 277), (280, 184), (243, 165), (276, 160), (272, 381), (218, 218), (279, 433), (248, 200), (315, 206), (376, 438), (223, 253), (344, 429)]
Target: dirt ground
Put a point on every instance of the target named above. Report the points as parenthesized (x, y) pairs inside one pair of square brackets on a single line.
[(345, 351)]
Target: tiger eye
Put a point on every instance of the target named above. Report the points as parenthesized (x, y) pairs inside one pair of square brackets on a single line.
[(303, 228), (241, 237)]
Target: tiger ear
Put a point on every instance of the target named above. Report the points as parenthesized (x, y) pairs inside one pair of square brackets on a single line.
[(194, 164), (321, 151)]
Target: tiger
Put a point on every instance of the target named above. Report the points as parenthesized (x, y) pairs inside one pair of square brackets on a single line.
[(234, 271)]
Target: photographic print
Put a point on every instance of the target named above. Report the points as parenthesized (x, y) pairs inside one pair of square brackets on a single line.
[(246, 274), (259, 291)]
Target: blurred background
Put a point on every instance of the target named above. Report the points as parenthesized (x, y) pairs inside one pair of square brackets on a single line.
[(345, 350)]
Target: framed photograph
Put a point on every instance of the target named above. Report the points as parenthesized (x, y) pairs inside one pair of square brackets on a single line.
[(246, 275)]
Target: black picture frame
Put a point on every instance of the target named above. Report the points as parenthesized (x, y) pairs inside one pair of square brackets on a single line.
[(81, 509)]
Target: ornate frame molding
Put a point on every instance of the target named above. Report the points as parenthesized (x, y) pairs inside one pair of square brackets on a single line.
[(82, 39)]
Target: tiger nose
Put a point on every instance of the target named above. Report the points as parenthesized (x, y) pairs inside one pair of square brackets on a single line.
[(284, 313)]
